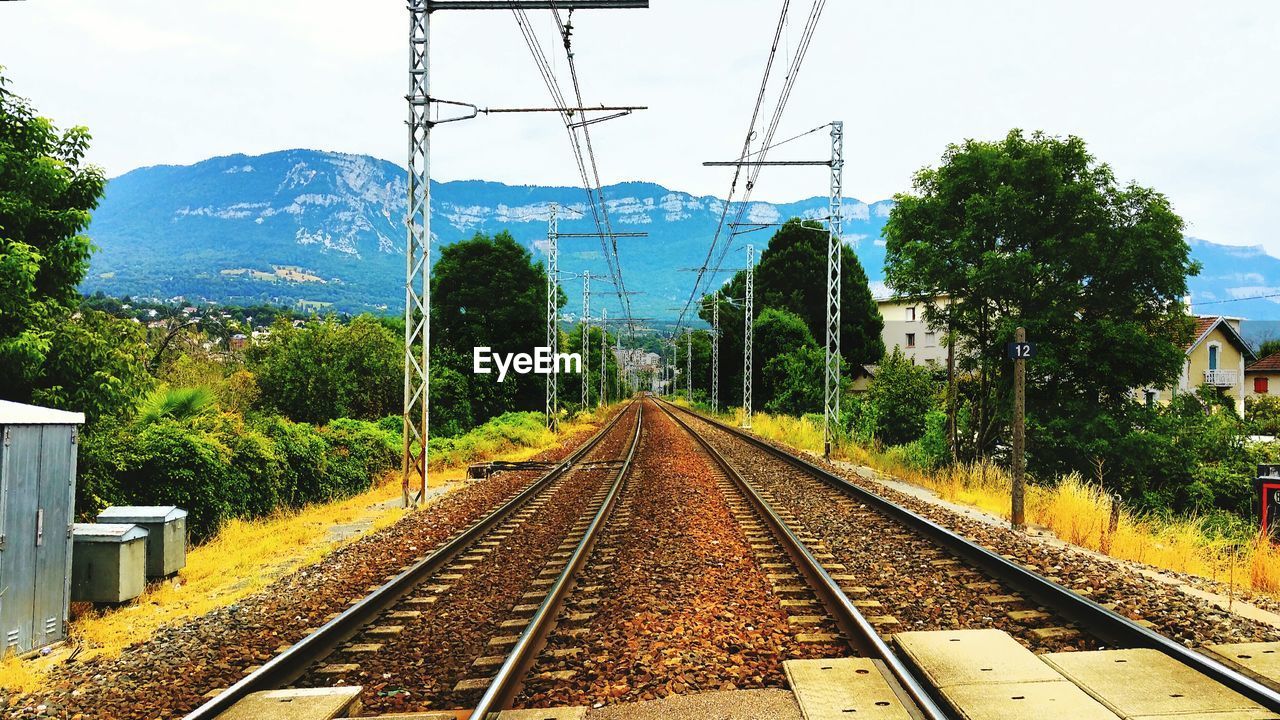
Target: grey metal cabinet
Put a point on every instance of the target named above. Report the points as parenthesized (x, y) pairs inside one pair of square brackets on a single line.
[(37, 504)]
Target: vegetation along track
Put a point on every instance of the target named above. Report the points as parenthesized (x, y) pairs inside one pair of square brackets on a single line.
[(918, 575), (411, 642)]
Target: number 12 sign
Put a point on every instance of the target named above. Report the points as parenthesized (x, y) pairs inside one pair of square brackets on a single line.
[(1021, 350)]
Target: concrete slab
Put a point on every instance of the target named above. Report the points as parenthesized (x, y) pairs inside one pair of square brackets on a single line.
[(1002, 701), (964, 657), (1260, 660), (839, 688), (571, 713), (297, 704), (1147, 683), (773, 704), (434, 715)]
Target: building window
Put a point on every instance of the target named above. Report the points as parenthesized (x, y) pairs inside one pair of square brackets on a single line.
[(1260, 386), (929, 340), (911, 340), (911, 314), (1151, 398)]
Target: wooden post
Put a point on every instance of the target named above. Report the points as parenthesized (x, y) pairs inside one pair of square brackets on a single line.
[(951, 399), (1019, 430), (1113, 524)]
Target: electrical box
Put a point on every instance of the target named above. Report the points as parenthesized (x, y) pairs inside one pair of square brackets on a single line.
[(1266, 488), (110, 562), (166, 534), (37, 496)]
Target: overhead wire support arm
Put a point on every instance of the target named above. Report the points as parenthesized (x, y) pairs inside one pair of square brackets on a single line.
[(764, 163)]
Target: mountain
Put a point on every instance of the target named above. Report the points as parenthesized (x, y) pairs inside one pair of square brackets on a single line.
[(319, 229)]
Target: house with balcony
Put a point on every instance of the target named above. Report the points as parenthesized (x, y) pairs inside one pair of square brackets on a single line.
[(1215, 358)]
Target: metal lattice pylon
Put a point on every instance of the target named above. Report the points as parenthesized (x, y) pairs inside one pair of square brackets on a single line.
[(604, 353), (715, 353), (688, 368), (417, 288), (831, 406), (586, 339), (553, 315), (748, 335)]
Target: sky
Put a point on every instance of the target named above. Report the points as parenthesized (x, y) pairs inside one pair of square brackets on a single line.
[(1179, 96)]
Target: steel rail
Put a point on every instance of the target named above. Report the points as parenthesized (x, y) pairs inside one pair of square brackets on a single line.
[(289, 665), (509, 678), (862, 634), (1101, 622)]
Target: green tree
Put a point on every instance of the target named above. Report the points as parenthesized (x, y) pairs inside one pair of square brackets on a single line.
[(95, 364), (792, 276), (795, 380), (777, 333), (325, 370), (796, 252), (46, 194), (488, 292), (902, 394), (1033, 231)]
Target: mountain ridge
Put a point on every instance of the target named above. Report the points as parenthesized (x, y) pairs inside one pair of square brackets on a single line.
[(320, 229)]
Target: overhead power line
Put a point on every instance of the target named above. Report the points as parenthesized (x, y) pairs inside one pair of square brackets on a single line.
[(766, 141)]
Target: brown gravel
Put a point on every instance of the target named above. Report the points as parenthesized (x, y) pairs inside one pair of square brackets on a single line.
[(417, 669), (166, 676), (917, 584), (679, 602)]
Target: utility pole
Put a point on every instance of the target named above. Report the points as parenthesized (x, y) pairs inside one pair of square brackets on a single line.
[(688, 380), (604, 352), (417, 279), (748, 336), (586, 339), (553, 316), (1021, 351), (831, 381), (617, 378), (715, 353), (835, 221)]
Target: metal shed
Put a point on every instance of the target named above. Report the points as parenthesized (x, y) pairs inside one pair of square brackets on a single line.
[(37, 502)]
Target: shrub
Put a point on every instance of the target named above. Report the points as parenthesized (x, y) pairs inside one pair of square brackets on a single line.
[(360, 451), (303, 453)]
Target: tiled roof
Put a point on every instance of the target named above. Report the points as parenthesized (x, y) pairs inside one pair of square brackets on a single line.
[(1270, 363), (1202, 326)]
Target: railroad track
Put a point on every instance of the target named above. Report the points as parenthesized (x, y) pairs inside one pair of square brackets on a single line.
[(672, 554), (590, 475), (983, 588), (696, 564)]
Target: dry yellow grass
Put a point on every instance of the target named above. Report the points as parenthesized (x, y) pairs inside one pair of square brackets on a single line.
[(243, 558), (1076, 511)]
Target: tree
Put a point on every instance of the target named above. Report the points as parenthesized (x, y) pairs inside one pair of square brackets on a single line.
[(1270, 346), (325, 370), (902, 394), (1033, 231), (46, 194), (95, 364), (798, 251), (488, 292), (794, 380), (778, 333), (792, 276)]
